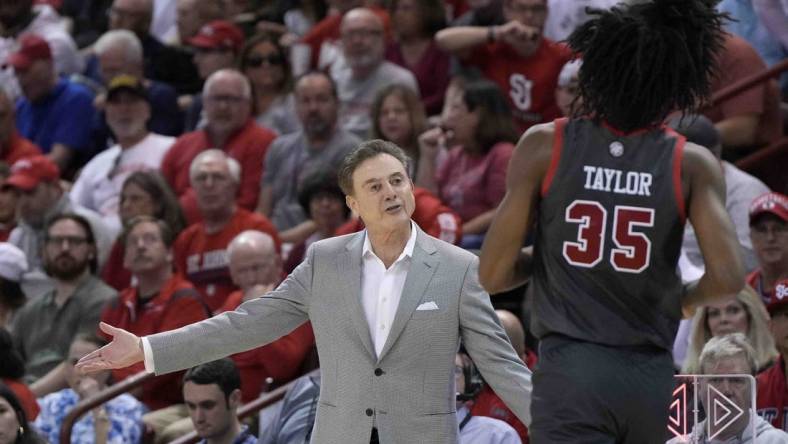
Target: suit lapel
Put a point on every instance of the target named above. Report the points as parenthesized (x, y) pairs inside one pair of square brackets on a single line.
[(422, 267), (349, 273)]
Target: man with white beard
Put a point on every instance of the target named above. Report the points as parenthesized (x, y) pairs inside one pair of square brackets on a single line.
[(127, 110)]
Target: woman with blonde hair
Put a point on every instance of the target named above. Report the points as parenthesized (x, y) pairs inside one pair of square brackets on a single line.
[(745, 314)]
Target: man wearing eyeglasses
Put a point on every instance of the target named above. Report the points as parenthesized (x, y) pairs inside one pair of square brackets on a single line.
[(216, 46), (36, 180), (44, 328), (533, 62), (364, 70), (229, 127), (769, 235), (160, 301)]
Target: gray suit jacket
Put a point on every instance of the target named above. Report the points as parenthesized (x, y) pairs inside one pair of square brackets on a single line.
[(408, 392)]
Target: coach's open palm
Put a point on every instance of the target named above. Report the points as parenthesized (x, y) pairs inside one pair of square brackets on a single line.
[(124, 350)]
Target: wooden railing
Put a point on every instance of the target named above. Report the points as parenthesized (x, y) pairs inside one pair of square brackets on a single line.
[(748, 82), (99, 398)]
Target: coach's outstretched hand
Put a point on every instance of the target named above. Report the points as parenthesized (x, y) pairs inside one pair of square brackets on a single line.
[(124, 350)]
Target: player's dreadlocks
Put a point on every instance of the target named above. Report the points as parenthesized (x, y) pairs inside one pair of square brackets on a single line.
[(646, 60)]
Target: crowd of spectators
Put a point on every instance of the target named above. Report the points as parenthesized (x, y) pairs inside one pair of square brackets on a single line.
[(165, 161)]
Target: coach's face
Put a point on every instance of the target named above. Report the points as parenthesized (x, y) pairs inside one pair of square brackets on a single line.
[(382, 193)]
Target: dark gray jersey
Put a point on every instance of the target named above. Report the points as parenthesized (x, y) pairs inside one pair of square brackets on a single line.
[(608, 237)]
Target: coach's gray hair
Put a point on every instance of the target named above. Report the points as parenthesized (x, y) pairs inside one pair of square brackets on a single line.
[(120, 38), (215, 154), (727, 346), (367, 150)]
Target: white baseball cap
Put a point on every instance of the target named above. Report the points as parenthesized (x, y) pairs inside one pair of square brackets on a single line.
[(13, 262)]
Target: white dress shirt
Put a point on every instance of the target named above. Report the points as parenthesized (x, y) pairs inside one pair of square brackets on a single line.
[(381, 288)]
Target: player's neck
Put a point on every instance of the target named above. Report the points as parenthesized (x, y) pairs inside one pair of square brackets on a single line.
[(389, 244)]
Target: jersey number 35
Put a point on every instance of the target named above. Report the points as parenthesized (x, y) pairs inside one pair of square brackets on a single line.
[(632, 250)]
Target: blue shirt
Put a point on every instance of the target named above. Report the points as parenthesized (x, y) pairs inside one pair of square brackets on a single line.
[(125, 416), (63, 116), (245, 437)]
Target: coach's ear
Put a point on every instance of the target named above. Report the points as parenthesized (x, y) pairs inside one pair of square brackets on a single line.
[(352, 203)]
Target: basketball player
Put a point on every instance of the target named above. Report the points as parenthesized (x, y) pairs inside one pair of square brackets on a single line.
[(608, 195)]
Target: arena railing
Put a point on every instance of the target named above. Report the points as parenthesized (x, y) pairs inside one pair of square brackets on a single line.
[(99, 398), (767, 163), (748, 82)]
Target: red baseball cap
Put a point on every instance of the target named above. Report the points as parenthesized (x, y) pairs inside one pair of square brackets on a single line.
[(219, 34), (31, 48), (772, 203), (779, 296), (27, 173)]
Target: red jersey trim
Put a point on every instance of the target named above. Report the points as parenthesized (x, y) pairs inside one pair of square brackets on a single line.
[(637, 132), (558, 145), (678, 156)]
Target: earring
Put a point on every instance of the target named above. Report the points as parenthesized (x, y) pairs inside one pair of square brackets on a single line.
[(21, 430)]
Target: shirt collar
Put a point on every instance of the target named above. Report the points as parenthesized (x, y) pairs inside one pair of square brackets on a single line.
[(406, 252)]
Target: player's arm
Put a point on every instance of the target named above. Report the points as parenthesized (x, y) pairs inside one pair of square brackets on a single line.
[(504, 264), (724, 274)]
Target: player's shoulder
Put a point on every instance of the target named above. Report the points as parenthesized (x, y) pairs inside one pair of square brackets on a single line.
[(535, 147), (697, 159)]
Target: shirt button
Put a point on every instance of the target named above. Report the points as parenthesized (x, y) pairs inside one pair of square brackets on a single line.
[(369, 412), (382, 326), (378, 372)]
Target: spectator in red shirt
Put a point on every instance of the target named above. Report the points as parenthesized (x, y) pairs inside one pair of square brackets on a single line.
[(161, 301), (769, 235), (227, 98), (201, 250), (12, 146), (533, 62), (772, 396), (415, 22), (471, 176)]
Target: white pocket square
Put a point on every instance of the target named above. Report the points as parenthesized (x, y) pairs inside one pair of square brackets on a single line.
[(427, 306)]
